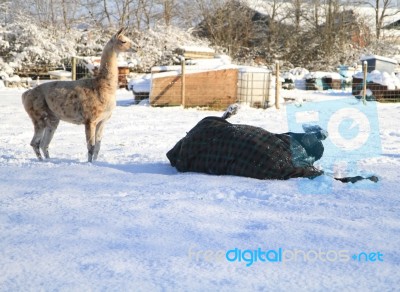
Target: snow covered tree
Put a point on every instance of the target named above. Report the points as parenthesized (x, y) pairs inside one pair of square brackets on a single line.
[(382, 9), (157, 46), (227, 24)]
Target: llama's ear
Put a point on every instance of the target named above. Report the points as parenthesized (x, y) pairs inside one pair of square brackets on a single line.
[(121, 30)]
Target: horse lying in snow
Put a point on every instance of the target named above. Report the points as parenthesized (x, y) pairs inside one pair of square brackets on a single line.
[(215, 146)]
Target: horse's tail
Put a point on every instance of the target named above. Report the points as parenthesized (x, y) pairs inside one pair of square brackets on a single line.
[(230, 111), (357, 178)]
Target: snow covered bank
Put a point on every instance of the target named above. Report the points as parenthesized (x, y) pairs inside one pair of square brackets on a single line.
[(130, 221)]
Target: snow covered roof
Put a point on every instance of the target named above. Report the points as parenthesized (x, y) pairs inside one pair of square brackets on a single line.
[(197, 65), (193, 70), (381, 58), (223, 62)]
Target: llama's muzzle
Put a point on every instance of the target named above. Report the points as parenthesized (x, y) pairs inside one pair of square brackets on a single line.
[(134, 47)]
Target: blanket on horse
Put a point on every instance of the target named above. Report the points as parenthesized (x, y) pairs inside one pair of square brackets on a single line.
[(215, 146)]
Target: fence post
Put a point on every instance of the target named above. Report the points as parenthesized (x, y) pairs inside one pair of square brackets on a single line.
[(263, 92), (73, 68), (251, 89), (183, 69), (269, 84), (277, 86), (365, 64)]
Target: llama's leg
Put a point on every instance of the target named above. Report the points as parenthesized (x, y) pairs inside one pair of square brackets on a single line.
[(36, 109), (51, 127), (37, 137), (90, 131), (99, 135), (96, 150)]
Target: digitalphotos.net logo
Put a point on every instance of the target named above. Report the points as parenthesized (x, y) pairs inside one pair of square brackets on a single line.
[(260, 255), (353, 133)]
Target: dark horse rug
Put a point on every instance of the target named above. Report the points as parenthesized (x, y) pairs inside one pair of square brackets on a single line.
[(215, 146)]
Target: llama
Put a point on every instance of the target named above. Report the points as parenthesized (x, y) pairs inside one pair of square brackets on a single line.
[(85, 101)]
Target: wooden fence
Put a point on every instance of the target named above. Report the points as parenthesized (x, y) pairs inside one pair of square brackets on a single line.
[(215, 89)]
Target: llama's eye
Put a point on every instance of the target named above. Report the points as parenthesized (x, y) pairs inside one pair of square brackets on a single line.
[(124, 42)]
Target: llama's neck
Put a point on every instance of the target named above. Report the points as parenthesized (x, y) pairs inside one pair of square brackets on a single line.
[(108, 72)]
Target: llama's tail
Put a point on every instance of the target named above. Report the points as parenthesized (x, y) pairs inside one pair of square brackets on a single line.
[(25, 97), (33, 101)]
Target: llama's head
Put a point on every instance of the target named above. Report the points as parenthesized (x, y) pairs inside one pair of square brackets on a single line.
[(121, 43)]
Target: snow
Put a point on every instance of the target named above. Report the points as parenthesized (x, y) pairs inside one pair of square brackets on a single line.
[(140, 84), (364, 9), (14, 78), (220, 60), (250, 69), (92, 62), (321, 74), (199, 49), (60, 74), (392, 80), (131, 222), (297, 75)]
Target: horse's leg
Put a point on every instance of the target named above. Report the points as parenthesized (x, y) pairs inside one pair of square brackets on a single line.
[(51, 127), (90, 131), (99, 135)]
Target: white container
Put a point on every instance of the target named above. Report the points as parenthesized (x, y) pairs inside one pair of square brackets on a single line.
[(255, 86)]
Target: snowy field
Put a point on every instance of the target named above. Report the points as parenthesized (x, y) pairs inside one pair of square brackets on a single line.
[(131, 222)]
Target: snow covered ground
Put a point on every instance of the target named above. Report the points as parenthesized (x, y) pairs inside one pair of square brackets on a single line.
[(132, 222)]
